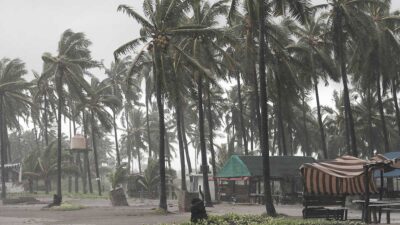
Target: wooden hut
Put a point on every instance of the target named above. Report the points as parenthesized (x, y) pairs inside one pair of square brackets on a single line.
[(241, 178)]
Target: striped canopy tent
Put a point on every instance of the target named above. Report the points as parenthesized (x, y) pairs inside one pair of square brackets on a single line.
[(343, 175)]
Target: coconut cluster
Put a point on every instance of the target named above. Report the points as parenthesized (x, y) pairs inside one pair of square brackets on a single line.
[(161, 41)]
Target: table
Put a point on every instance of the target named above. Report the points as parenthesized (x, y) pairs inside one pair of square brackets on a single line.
[(377, 206)]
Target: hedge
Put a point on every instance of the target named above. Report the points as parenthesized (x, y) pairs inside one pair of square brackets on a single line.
[(234, 219)]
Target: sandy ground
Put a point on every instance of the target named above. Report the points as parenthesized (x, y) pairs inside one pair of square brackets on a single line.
[(139, 212)]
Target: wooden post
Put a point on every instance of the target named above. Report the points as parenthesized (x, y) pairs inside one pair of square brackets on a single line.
[(381, 190), (366, 195)]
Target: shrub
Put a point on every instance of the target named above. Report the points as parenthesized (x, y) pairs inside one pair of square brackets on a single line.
[(234, 219)]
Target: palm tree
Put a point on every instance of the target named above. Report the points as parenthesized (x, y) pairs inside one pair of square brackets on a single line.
[(67, 67), (348, 20), (116, 73), (264, 112), (45, 165), (159, 33), (44, 95), (313, 51), (96, 102), (13, 96)]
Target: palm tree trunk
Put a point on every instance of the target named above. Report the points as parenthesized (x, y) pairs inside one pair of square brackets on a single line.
[(116, 139), (78, 163), (347, 105), (252, 138), (96, 162), (211, 139), (264, 112), (35, 132), (307, 142), (86, 168), (347, 133), (370, 133), (148, 126), (321, 124), (3, 149), (251, 69), (8, 147), (180, 141), (46, 185), (58, 198), (138, 153), (128, 142), (46, 133), (243, 128), (89, 174), (204, 164), (77, 160), (382, 113), (396, 104), (185, 143), (280, 117), (72, 156), (158, 73)]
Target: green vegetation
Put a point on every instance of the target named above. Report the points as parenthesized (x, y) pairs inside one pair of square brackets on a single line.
[(243, 72), (233, 219), (66, 206)]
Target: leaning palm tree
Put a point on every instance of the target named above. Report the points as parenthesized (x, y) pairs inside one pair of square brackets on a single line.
[(116, 72), (13, 96), (159, 33), (348, 21), (67, 67), (97, 103), (313, 52)]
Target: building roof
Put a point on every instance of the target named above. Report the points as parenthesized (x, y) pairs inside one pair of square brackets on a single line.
[(393, 173), (252, 166)]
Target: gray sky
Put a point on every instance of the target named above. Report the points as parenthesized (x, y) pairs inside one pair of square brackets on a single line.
[(31, 27)]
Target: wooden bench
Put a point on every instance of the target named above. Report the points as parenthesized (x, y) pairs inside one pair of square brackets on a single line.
[(388, 211), (316, 206)]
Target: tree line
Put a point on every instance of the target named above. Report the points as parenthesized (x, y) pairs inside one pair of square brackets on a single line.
[(248, 71)]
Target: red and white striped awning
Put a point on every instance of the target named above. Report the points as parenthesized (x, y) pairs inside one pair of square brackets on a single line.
[(341, 176)]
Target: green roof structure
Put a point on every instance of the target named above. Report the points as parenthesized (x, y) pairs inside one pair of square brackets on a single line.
[(252, 166)]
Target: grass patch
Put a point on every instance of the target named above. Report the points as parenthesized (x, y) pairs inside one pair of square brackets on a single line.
[(66, 206), (42, 194), (160, 211), (234, 219)]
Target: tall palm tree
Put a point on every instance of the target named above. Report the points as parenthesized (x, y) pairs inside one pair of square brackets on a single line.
[(160, 31), (67, 67), (264, 113), (203, 49), (116, 73), (13, 94), (313, 52), (97, 102), (348, 21), (45, 95)]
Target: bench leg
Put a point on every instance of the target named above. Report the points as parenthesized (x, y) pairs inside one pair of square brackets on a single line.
[(388, 217), (374, 215)]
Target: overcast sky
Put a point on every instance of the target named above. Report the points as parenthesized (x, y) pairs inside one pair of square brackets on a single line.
[(28, 28)]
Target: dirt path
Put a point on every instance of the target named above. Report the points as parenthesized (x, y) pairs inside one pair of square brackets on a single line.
[(102, 213)]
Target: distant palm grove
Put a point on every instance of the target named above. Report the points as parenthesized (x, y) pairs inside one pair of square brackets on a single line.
[(209, 80)]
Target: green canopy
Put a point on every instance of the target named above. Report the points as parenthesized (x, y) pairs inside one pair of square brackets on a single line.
[(252, 166), (235, 167)]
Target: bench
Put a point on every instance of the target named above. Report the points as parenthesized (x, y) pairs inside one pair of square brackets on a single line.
[(388, 211), (316, 206)]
